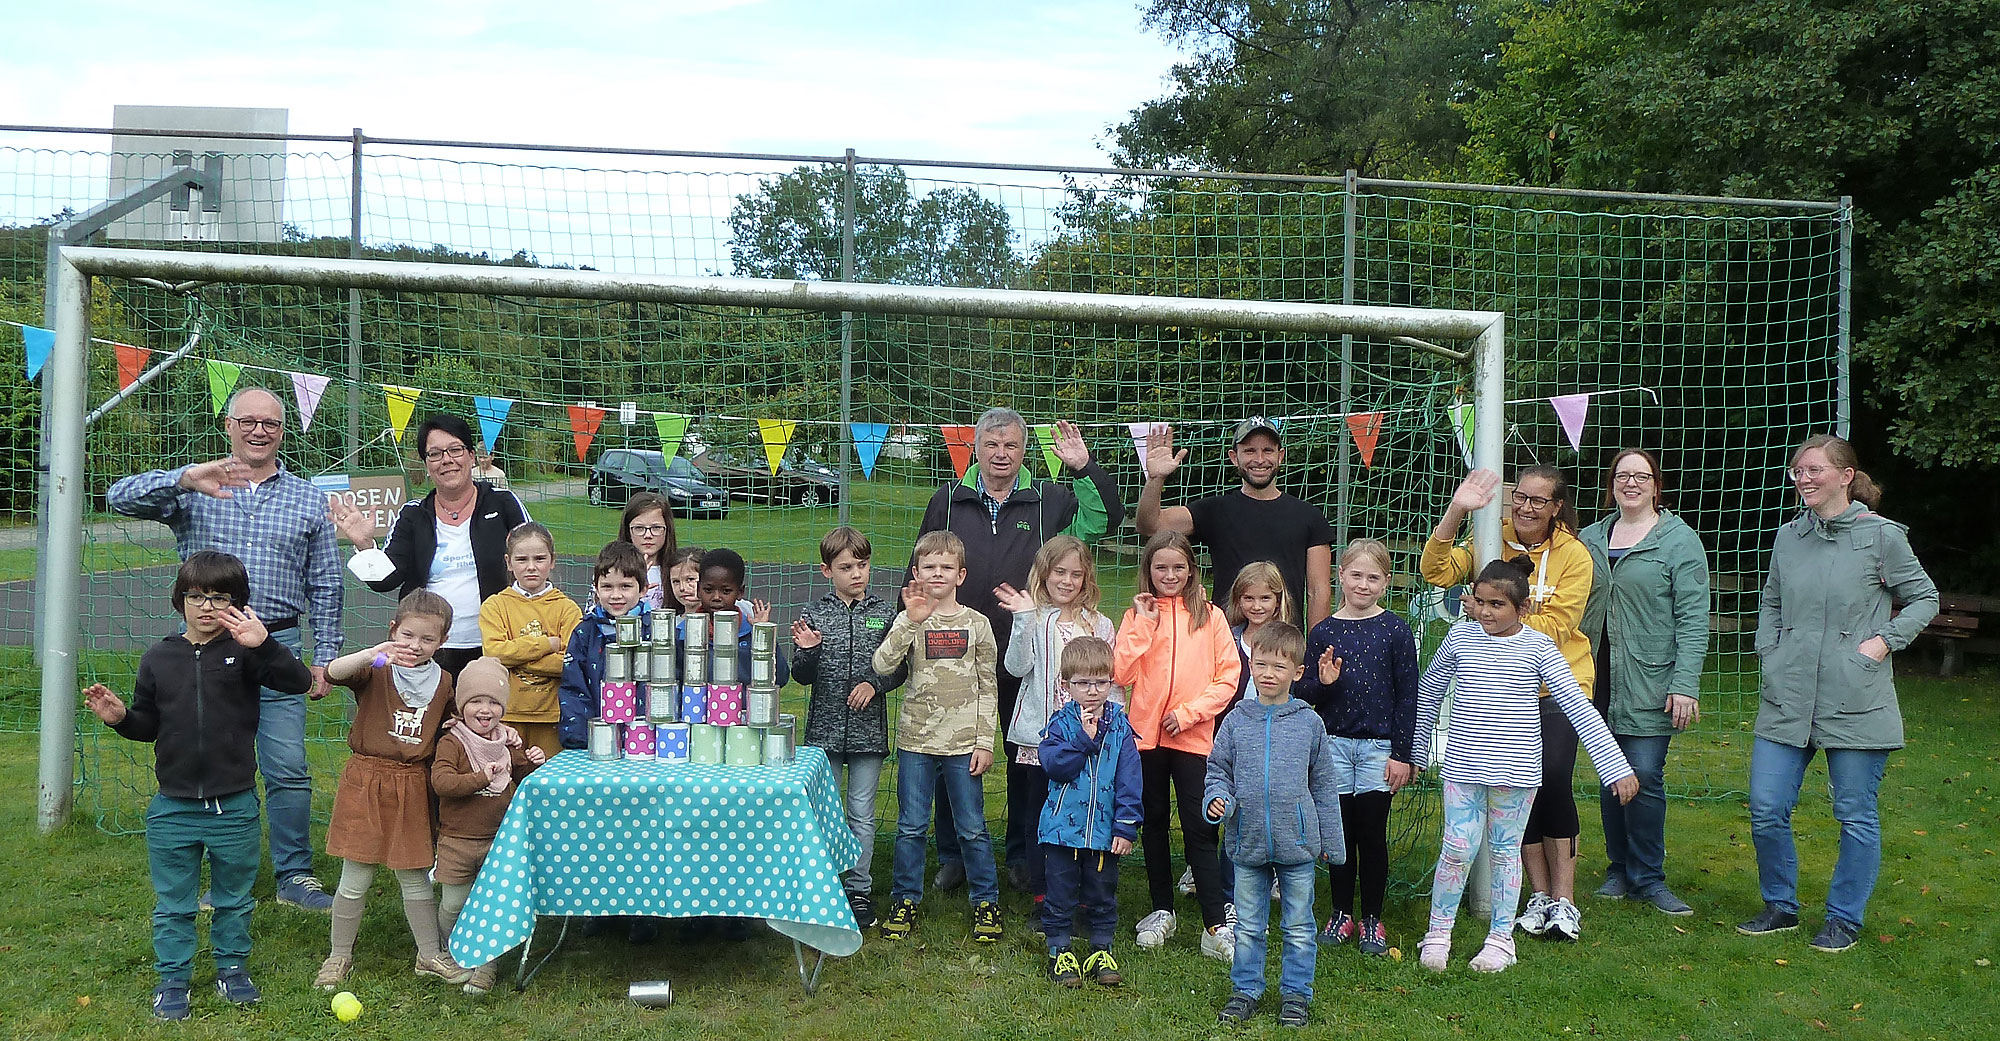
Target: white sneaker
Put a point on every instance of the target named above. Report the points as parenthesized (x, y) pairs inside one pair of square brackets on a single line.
[(1186, 884), (1219, 942), (1535, 920), (1434, 951), (1565, 921), (1495, 956), (1229, 915), (1277, 892), (1154, 929)]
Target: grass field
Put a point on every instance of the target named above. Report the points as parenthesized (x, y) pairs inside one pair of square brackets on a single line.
[(76, 942)]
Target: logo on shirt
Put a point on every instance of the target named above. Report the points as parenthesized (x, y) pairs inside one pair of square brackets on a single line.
[(407, 726), (941, 644), (874, 623), (1024, 525)]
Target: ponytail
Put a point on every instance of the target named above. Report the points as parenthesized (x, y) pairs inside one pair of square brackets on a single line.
[(1840, 453)]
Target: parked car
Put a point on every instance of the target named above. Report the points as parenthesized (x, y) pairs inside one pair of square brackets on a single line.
[(621, 471), (800, 481)]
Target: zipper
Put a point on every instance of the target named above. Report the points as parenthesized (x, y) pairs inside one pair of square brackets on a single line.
[(1090, 821), (200, 728), (1173, 656), (1270, 834)]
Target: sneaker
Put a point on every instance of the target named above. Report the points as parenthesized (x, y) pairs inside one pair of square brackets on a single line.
[(170, 1001), (1770, 920), (1374, 938), (1565, 921), (1535, 920), (864, 910), (1064, 970), (1434, 951), (331, 971), (1238, 1009), (483, 979), (1103, 968), (901, 921), (1186, 884), (986, 922), (642, 931), (304, 892), (1835, 936), (1339, 929), (1615, 887), (1017, 878), (443, 968), (1229, 914), (1153, 931), (1664, 900), (1277, 891), (1495, 956), (950, 875), (1219, 942), (1292, 1010), (235, 987)]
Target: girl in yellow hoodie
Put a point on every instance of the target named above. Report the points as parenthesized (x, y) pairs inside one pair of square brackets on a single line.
[(526, 626), (1176, 655), (1540, 526)]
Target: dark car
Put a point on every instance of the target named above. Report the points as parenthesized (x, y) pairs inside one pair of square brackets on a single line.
[(800, 481), (620, 472)]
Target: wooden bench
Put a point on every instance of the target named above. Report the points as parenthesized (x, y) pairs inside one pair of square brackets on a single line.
[(1956, 628)]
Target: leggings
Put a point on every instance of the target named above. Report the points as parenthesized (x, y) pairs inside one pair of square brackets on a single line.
[(1472, 813), (1554, 815), (1365, 819), (419, 907), (1187, 773)]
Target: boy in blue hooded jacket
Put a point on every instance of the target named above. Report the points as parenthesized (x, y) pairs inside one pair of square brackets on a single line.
[(1092, 813)]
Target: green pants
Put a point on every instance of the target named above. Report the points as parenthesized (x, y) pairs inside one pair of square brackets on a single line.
[(178, 833)]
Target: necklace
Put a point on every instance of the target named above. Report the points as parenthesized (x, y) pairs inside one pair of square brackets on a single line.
[(460, 509)]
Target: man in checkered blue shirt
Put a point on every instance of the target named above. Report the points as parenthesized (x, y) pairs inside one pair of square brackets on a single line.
[(248, 505)]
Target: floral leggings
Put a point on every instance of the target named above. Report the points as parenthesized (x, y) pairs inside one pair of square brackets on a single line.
[(1472, 813)]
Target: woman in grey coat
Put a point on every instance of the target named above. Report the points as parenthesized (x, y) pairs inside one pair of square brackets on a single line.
[(1648, 626), (1826, 627)]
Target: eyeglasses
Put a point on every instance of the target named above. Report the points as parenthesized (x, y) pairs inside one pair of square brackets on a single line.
[(1798, 473), (209, 599), (649, 529), (1089, 684), (1638, 477), (268, 426), (1532, 501), (454, 452)]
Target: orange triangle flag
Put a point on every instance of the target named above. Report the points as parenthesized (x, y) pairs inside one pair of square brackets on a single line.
[(958, 440), (1367, 430), (131, 362), (583, 423)]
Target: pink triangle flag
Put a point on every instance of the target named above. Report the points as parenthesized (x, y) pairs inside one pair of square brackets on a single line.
[(1571, 409), (1139, 433), (308, 389)]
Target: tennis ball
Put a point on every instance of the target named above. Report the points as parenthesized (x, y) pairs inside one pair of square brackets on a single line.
[(346, 1007)]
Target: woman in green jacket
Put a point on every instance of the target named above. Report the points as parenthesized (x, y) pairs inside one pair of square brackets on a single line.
[(1825, 629), (1648, 626)]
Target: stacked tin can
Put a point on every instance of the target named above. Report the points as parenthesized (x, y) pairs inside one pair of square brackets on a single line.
[(663, 702), (623, 726), (760, 702), (704, 739)]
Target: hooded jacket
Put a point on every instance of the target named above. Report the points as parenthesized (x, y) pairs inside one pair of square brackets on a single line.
[(198, 704), (1559, 587), (1654, 605), (1170, 667), (515, 629), (1094, 782), (1272, 767), (843, 660), (412, 543)]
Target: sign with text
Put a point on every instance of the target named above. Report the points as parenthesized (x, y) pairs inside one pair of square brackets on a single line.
[(379, 495)]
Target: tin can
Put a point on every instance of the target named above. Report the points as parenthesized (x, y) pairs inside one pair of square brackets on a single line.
[(694, 670), (696, 625), (670, 742), (741, 747), (617, 664), (663, 703), (760, 707), (763, 639), (618, 701), (639, 741), (694, 704), (628, 630), (650, 993), (723, 630), (722, 667), (725, 704), (661, 668), (704, 743), (642, 662), (604, 742), (763, 670), (778, 746)]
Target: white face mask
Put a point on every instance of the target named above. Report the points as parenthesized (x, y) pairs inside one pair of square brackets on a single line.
[(418, 684)]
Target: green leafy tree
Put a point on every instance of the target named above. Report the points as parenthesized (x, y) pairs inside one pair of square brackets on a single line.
[(791, 228)]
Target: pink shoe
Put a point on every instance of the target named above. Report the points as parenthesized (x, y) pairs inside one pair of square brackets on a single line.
[(1434, 951), (1495, 956)]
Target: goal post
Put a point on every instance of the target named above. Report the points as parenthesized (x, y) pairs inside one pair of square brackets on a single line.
[(66, 378)]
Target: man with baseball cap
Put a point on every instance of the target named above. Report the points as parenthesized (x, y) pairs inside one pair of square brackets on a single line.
[(1256, 521)]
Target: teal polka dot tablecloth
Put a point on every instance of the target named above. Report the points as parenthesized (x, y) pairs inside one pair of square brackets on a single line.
[(642, 837)]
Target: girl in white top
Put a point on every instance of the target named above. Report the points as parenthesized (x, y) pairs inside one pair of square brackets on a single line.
[(1059, 606), (1493, 752)]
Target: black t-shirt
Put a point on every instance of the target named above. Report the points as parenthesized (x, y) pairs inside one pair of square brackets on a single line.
[(1239, 530)]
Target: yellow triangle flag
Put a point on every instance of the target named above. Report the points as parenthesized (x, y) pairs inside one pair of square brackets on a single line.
[(402, 402), (777, 433)]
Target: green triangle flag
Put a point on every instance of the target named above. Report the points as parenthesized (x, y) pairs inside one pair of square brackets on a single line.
[(222, 377), (672, 428), (1046, 434), (1463, 418)]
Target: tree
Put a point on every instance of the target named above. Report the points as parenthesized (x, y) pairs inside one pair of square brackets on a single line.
[(791, 228)]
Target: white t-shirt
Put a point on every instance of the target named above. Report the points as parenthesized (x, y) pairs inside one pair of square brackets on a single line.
[(455, 577)]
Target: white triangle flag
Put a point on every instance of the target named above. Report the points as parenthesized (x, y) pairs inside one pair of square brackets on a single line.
[(1140, 431), (308, 389)]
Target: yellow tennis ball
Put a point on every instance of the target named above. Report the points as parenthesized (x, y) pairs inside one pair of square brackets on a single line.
[(346, 1007)]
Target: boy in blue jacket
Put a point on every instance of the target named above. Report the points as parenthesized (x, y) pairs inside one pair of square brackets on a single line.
[(1092, 813), (1272, 771), (619, 583)]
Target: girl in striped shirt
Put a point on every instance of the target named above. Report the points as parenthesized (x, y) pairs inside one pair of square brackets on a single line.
[(1493, 753)]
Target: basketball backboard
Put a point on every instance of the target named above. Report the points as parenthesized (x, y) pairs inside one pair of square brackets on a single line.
[(252, 203)]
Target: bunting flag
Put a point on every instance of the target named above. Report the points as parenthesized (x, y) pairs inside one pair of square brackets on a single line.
[(222, 377), (1367, 430), (672, 429), (131, 362), (1571, 409), (1046, 434), (583, 423), (39, 343), (402, 402), (958, 441), (1463, 420), (777, 433), (492, 414), (308, 389), (1140, 431), (868, 438)]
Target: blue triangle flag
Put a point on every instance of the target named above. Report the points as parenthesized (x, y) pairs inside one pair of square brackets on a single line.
[(39, 343), (868, 438), (492, 416)]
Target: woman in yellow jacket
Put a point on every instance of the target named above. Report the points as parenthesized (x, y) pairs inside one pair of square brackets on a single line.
[(1541, 526), (1175, 654)]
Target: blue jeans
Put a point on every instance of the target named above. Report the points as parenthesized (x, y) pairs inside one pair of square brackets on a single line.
[(1295, 888), (858, 788), (1854, 774), (281, 758), (918, 779), (1635, 834), (1083, 891), (179, 833)]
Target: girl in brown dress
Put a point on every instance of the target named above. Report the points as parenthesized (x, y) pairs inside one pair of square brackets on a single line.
[(382, 814)]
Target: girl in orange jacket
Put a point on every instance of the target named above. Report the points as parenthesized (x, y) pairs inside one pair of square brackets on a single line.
[(1174, 652)]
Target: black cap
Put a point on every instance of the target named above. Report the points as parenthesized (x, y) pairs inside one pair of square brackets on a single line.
[(1253, 425)]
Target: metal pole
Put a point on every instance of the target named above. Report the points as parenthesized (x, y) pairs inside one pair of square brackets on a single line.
[(1842, 405), (354, 302), (1489, 378), (846, 434), (65, 382), (1345, 434)]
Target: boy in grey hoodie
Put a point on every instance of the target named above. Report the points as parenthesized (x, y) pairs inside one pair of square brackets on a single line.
[(1270, 776)]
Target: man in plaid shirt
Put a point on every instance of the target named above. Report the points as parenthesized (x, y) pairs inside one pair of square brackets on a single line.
[(248, 505)]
